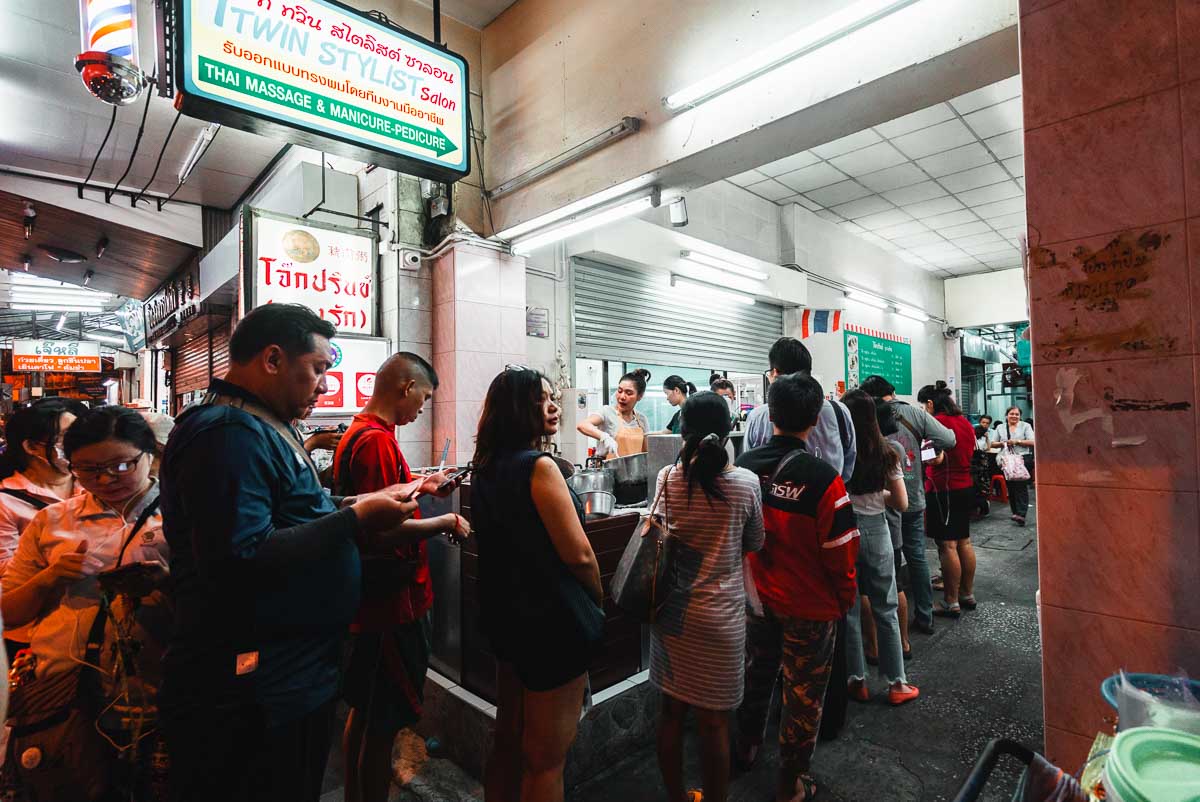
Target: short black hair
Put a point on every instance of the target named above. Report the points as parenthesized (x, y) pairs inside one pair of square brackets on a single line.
[(789, 355), (109, 423), (877, 387), (421, 364), (290, 326), (795, 401)]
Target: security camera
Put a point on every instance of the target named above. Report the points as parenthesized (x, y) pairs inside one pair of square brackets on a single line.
[(410, 260), (679, 217), (110, 78)]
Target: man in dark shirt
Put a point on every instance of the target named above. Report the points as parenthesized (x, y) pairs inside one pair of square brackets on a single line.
[(265, 572), (804, 582)]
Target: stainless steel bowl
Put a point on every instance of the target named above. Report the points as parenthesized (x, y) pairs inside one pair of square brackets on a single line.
[(598, 503), (630, 475), (592, 480)]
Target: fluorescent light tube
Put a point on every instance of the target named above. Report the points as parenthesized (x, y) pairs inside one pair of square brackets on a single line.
[(585, 223), (104, 338), (911, 312), (62, 321), (866, 298), (55, 307), (581, 205), (198, 148), (836, 25), (721, 264), (679, 282)]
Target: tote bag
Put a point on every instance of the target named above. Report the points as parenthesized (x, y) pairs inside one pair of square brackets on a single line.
[(641, 583)]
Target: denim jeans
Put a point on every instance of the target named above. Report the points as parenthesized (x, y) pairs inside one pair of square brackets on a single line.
[(877, 580), (920, 589)]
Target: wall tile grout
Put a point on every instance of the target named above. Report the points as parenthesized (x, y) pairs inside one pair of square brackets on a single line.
[(1160, 91)]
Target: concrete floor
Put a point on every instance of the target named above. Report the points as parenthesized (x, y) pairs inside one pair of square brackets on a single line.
[(980, 678)]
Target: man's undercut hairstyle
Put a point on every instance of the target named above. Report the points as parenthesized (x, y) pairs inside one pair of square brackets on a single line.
[(795, 401), (289, 326), (419, 368), (789, 355)]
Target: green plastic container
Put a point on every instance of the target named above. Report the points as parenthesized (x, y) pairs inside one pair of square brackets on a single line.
[(1150, 764)]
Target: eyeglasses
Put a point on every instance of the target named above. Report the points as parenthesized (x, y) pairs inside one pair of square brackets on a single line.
[(114, 469)]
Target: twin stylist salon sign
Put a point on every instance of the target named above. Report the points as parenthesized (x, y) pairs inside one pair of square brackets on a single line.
[(326, 76)]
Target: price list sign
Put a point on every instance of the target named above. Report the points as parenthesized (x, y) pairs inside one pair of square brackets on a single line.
[(871, 352)]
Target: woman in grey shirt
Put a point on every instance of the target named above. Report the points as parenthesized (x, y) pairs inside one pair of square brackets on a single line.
[(1017, 435)]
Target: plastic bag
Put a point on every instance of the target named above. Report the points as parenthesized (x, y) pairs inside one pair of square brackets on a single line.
[(1169, 702)]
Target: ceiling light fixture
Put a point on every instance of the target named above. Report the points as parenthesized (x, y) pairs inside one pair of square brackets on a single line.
[(104, 338), (721, 264), (586, 221), (708, 290), (26, 262), (62, 321), (54, 307), (87, 277), (101, 247), (582, 205), (833, 27), (65, 255), (198, 148), (911, 312), (867, 299)]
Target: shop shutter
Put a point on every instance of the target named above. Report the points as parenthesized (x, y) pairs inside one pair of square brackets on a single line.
[(189, 366), (220, 351), (636, 316)]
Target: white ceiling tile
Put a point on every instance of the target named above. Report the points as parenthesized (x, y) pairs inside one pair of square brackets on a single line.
[(874, 222), (1009, 256), (913, 259), (771, 190), (988, 95), (999, 221), (957, 160), (863, 206), (789, 163), (869, 159), (847, 143), (940, 222), (1008, 206), (915, 121), (747, 178), (931, 208), (1015, 165), (958, 263), (998, 119), (832, 217), (1021, 182), (1013, 232), (965, 230), (841, 192), (1002, 264), (853, 228), (1008, 144), (917, 240), (902, 175), (811, 205), (808, 178), (937, 252), (906, 229), (875, 240), (970, 271), (940, 137), (1000, 248), (927, 190), (988, 237), (974, 178), (990, 194)]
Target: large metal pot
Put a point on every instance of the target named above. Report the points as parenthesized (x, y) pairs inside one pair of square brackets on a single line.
[(598, 503), (630, 475), (592, 480)]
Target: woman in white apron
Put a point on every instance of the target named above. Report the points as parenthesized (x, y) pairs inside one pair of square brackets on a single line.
[(620, 429)]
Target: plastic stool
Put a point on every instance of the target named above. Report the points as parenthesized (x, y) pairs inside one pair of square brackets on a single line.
[(1003, 494)]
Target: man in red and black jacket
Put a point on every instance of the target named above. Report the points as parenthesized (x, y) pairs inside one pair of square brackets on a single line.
[(803, 583), (389, 656)]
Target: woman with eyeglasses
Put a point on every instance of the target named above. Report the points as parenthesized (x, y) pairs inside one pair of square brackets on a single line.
[(53, 584), (539, 588), (35, 475)]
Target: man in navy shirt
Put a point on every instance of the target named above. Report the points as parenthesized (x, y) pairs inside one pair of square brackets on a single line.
[(265, 572)]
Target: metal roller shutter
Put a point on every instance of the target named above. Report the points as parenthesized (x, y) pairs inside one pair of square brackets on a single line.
[(636, 316), (220, 351), (189, 366)]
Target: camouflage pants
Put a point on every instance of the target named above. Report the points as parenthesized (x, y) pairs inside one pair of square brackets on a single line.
[(804, 651)]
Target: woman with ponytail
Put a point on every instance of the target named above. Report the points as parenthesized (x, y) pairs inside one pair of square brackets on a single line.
[(677, 390), (697, 645), (620, 429)]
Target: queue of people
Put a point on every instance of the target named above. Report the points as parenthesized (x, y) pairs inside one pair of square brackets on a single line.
[(187, 597)]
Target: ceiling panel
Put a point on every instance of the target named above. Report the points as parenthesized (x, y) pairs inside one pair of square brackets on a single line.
[(942, 187), (749, 177)]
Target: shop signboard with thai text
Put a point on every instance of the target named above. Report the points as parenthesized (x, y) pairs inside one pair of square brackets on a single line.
[(174, 303), (57, 356), (871, 352), (326, 76), (350, 380), (328, 269)]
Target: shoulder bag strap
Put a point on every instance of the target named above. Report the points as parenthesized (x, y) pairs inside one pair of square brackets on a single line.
[(151, 508), (344, 483), (28, 498), (842, 431), (908, 425), (783, 463), (265, 415)]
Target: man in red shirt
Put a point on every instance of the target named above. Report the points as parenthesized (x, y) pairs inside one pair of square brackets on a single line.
[(389, 657)]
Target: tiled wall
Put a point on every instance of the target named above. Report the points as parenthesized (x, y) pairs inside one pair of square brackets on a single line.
[(1112, 153)]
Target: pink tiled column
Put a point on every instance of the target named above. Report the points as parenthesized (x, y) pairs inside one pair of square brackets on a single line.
[(478, 328), (1112, 152)]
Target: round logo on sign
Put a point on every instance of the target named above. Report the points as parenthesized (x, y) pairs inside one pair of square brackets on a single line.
[(333, 384), (337, 357), (301, 246), (366, 384)]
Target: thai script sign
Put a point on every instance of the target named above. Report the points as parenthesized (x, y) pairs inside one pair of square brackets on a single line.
[(133, 323), (331, 271), (173, 303), (880, 353), (327, 70), (57, 356)]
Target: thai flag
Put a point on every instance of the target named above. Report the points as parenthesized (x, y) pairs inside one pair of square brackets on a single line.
[(816, 321)]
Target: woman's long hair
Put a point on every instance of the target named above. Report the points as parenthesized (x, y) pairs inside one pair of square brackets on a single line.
[(512, 417), (40, 422), (943, 401), (876, 460), (704, 423)]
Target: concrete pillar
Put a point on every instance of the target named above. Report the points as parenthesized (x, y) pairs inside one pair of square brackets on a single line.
[(1112, 149), (478, 328)]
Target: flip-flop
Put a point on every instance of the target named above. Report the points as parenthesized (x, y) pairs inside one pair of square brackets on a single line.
[(936, 583), (947, 610), (810, 787)]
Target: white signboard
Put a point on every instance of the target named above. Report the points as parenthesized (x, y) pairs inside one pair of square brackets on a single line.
[(68, 356), (330, 271), (350, 382)]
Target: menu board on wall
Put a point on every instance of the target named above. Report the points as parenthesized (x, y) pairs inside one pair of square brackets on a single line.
[(350, 381), (330, 270), (59, 356), (871, 352)]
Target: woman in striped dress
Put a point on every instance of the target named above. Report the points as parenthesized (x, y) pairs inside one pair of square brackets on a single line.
[(697, 644)]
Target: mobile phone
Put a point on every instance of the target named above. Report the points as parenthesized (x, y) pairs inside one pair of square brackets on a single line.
[(455, 479)]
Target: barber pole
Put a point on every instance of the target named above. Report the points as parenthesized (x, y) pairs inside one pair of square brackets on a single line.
[(109, 26)]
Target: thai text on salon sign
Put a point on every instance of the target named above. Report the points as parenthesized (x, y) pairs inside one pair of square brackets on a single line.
[(320, 67)]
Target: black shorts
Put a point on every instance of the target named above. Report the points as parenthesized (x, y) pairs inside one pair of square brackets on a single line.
[(385, 675), (948, 514), (547, 666)]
